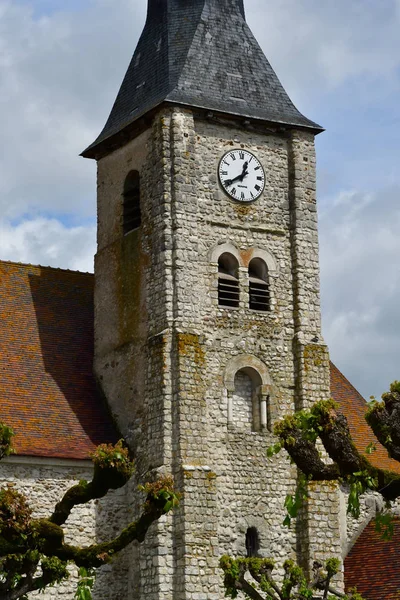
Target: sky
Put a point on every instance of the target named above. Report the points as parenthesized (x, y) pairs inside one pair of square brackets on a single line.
[(61, 64)]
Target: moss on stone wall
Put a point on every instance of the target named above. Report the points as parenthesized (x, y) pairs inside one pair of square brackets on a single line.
[(314, 356), (130, 283), (211, 481), (189, 346), (243, 211)]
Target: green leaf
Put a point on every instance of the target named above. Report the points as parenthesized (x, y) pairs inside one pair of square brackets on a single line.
[(288, 501), (275, 449), (287, 521), (370, 448), (384, 524)]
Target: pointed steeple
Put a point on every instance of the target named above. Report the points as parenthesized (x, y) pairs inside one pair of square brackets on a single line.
[(200, 53)]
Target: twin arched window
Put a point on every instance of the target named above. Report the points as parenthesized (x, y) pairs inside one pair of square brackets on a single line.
[(228, 283), (132, 216)]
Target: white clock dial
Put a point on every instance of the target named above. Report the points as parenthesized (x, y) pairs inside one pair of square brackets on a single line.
[(241, 175)]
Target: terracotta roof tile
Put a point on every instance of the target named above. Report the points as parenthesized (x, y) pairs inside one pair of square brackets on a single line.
[(47, 389), (373, 564), (354, 407)]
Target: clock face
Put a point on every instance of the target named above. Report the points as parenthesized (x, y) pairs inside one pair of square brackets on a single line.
[(241, 175)]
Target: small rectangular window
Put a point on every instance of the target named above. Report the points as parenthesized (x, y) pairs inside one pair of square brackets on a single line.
[(132, 216)]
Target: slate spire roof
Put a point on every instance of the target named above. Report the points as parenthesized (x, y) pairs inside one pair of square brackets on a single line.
[(200, 53)]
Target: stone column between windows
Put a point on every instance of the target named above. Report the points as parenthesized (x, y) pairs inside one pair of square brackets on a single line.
[(265, 393)]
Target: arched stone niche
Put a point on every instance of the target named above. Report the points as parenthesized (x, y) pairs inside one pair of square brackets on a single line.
[(246, 375)]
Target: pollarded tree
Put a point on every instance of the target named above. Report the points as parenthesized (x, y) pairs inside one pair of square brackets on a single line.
[(33, 553), (254, 578), (301, 435)]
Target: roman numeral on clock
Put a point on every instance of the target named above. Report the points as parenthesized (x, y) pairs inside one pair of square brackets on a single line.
[(257, 187), (241, 154), (232, 155)]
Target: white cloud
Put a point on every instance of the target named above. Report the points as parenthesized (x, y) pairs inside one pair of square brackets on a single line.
[(317, 46), (360, 249), (59, 76), (49, 243)]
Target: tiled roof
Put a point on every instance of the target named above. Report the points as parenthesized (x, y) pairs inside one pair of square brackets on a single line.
[(354, 407), (200, 53), (47, 389), (373, 564)]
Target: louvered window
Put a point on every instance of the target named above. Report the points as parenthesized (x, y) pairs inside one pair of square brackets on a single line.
[(228, 282), (132, 216), (259, 285)]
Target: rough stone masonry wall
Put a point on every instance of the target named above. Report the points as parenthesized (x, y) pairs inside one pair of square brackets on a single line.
[(280, 225), (167, 382), (44, 482), (249, 488), (133, 299)]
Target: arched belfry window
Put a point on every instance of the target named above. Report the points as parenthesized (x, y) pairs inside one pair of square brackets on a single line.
[(228, 281), (259, 285), (132, 217), (252, 542)]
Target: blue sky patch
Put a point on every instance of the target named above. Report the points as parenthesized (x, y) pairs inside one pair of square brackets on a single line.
[(49, 7)]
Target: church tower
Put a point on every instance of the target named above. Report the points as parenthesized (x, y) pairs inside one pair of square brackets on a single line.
[(207, 305)]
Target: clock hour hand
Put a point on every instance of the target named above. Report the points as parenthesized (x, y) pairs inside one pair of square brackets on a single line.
[(240, 177), (230, 181)]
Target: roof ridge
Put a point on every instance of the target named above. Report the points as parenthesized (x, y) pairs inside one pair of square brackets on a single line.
[(36, 266)]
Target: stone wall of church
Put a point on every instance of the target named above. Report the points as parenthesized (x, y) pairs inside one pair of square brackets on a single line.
[(44, 481), (189, 404), (281, 227)]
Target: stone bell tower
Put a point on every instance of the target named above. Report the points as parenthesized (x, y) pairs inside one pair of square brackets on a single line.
[(207, 309)]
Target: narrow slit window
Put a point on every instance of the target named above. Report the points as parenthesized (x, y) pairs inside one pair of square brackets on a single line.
[(132, 216), (252, 542), (259, 286), (228, 281)]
